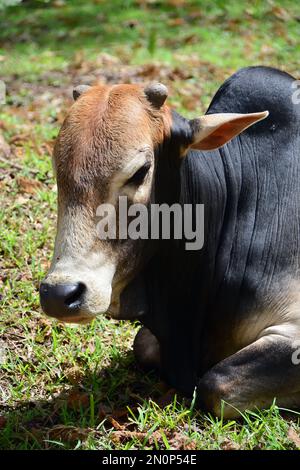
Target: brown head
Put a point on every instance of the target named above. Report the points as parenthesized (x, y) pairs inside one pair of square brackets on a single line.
[(109, 146)]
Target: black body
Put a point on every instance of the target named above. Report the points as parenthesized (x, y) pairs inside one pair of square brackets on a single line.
[(251, 192)]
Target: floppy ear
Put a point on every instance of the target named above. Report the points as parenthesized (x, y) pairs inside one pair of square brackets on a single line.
[(214, 130)]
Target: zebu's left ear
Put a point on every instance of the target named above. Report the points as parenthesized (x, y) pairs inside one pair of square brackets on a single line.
[(78, 90), (156, 93), (214, 130)]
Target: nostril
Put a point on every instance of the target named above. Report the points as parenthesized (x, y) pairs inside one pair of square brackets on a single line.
[(74, 299), (60, 300)]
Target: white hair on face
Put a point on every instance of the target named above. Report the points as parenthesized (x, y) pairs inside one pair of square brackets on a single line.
[(118, 184)]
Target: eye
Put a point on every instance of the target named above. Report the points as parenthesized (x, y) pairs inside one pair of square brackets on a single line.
[(139, 175)]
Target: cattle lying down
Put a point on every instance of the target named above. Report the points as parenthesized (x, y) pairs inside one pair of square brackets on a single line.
[(224, 319)]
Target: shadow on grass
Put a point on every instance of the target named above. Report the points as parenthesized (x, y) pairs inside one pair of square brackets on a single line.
[(101, 398)]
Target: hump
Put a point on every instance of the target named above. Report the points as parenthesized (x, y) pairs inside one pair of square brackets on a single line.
[(259, 88), (251, 185)]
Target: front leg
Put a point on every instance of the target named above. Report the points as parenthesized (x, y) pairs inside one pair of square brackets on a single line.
[(147, 350), (253, 377)]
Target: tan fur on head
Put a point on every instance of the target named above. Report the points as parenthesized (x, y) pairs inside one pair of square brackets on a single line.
[(103, 124)]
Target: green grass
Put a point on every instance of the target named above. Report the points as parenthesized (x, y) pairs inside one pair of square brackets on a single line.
[(78, 387)]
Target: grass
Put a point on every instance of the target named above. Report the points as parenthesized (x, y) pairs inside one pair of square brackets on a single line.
[(78, 387)]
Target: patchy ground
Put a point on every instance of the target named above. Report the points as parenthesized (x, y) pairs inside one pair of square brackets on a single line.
[(78, 387)]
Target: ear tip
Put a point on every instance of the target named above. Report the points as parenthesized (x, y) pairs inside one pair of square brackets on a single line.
[(261, 115), (157, 87), (265, 114), (78, 90), (156, 93)]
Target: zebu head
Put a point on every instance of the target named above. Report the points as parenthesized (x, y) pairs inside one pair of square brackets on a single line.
[(109, 146)]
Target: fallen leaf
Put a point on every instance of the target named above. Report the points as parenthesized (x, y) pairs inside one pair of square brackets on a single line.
[(294, 436), (228, 444), (45, 323), (149, 70), (180, 441), (176, 440), (116, 424), (77, 399), (176, 22), (191, 39), (27, 185), (281, 13), (123, 436)]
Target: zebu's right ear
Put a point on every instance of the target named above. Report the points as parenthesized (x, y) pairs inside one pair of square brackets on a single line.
[(215, 130), (78, 90)]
